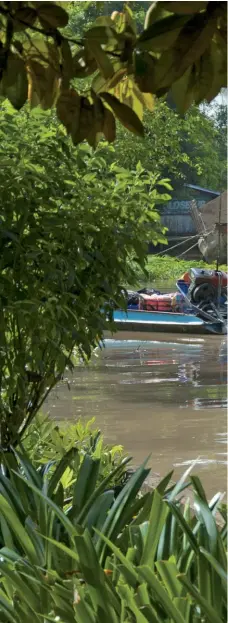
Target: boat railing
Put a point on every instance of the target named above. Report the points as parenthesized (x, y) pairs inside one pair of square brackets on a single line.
[(197, 309)]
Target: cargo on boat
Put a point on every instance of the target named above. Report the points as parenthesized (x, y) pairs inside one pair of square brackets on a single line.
[(198, 306)]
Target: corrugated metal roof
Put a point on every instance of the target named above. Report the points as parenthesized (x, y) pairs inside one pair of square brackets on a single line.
[(203, 190)]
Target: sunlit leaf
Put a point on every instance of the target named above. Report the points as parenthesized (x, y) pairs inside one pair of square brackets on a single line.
[(102, 59), (127, 116)]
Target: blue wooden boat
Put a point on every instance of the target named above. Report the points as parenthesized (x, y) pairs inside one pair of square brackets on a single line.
[(171, 322), (198, 307)]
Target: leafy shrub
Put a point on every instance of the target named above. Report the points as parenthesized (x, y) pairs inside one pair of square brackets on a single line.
[(135, 559), (66, 238), (46, 441)]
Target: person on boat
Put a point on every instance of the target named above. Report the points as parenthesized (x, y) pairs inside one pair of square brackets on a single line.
[(186, 278)]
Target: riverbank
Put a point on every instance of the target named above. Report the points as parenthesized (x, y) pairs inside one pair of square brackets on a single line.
[(168, 269)]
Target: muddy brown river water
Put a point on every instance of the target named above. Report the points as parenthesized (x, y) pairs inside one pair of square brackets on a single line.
[(165, 397)]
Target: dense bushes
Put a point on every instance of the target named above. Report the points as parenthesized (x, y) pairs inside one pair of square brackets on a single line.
[(66, 239), (91, 557), (168, 269)]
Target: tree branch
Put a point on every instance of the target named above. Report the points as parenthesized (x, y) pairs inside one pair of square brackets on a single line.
[(53, 33), (47, 33)]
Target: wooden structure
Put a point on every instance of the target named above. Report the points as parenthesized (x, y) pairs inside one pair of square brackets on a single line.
[(211, 224), (177, 216), (215, 211)]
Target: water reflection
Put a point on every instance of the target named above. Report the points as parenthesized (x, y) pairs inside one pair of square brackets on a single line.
[(166, 398)]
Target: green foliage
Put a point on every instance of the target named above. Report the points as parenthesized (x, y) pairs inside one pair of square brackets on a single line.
[(205, 143), (161, 148), (181, 48), (66, 240), (187, 149), (95, 559), (46, 441), (167, 269)]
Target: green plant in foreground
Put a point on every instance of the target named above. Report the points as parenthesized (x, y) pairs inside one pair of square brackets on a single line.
[(93, 559), (66, 239), (46, 441)]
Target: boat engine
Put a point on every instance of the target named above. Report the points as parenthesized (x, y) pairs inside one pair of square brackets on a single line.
[(204, 286)]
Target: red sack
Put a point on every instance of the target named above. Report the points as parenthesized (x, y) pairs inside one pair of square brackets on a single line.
[(156, 302)]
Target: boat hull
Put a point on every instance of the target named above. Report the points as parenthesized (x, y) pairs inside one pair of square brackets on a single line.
[(162, 322)]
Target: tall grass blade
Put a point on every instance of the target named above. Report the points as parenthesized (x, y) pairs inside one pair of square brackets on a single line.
[(206, 609), (157, 518)]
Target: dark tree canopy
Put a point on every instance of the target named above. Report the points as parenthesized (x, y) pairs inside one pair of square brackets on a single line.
[(181, 49)]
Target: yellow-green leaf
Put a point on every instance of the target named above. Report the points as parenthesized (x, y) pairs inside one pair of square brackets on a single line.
[(118, 75), (154, 13), (124, 91), (183, 604), (100, 84), (147, 99), (120, 21), (17, 528), (103, 61), (37, 48), (125, 114), (168, 572), (128, 92), (129, 17)]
